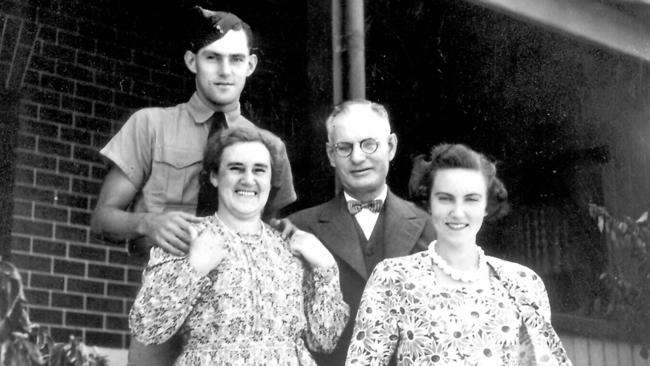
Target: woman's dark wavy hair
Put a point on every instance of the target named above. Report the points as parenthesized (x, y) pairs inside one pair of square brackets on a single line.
[(449, 156), (208, 200)]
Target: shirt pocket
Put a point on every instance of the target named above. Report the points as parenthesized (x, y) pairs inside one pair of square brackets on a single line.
[(174, 176)]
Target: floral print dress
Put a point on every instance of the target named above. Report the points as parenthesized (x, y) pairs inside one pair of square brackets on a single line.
[(405, 312), (260, 306)]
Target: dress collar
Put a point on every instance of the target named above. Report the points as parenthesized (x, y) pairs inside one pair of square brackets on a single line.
[(202, 112)]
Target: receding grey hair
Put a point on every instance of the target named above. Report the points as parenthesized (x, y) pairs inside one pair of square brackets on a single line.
[(345, 107)]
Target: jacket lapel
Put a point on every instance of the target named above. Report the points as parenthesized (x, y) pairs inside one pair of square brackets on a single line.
[(403, 227), (336, 230)]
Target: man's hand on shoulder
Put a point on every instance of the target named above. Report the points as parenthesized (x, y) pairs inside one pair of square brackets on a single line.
[(307, 246), (284, 226), (112, 219), (170, 230)]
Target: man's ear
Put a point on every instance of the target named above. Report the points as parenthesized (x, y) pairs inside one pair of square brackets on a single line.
[(330, 154), (213, 179), (190, 61), (392, 146), (252, 64)]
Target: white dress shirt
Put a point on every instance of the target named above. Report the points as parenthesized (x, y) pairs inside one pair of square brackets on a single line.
[(366, 218)]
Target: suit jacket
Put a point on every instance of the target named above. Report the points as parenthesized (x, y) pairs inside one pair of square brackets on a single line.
[(407, 229)]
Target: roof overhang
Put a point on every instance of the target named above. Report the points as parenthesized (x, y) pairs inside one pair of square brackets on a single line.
[(620, 25)]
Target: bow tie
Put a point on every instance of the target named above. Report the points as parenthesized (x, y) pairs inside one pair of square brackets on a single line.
[(355, 206)]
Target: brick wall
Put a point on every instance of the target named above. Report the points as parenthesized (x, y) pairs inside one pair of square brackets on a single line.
[(79, 69)]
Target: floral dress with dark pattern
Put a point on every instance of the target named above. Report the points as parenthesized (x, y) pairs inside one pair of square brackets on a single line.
[(260, 306), (405, 312)]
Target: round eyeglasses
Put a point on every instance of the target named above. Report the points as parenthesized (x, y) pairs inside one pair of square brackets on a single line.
[(344, 149)]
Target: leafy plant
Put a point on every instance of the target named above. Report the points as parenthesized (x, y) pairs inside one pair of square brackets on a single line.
[(23, 343), (627, 274)]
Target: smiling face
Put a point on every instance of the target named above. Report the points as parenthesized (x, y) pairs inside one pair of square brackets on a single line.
[(362, 175), (243, 181), (458, 204), (221, 69)]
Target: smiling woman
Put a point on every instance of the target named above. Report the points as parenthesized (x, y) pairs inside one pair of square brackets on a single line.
[(455, 303), (243, 181), (243, 295), (458, 210)]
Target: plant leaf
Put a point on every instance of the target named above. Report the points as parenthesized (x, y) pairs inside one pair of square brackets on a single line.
[(601, 223)]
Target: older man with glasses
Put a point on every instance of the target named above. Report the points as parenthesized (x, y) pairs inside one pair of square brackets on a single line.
[(366, 222)]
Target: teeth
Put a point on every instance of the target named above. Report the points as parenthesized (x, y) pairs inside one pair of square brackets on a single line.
[(245, 193), (456, 226)]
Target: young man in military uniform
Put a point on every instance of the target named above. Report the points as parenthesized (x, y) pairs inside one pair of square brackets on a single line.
[(150, 193)]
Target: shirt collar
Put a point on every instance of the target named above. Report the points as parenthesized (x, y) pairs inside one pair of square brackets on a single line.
[(201, 112), (381, 196)]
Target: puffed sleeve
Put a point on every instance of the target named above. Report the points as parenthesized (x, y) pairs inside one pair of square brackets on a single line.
[(376, 332), (539, 293), (325, 309), (170, 287), (530, 293), (539, 343)]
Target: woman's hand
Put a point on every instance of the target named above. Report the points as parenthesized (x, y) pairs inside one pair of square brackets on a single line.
[(206, 251), (309, 248)]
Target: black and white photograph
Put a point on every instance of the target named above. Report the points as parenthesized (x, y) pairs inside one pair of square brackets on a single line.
[(325, 183)]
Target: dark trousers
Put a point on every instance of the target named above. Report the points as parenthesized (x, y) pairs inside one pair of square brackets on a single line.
[(154, 355)]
